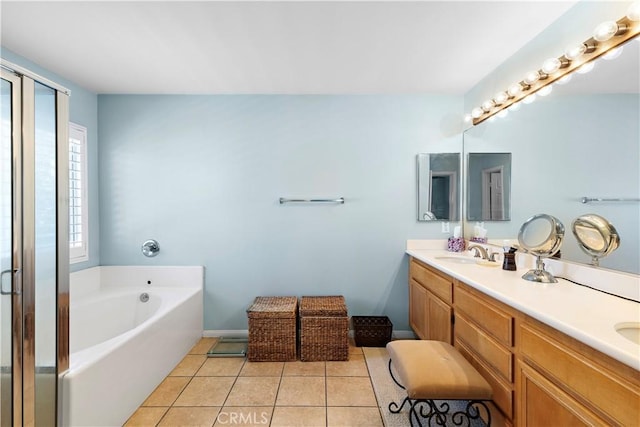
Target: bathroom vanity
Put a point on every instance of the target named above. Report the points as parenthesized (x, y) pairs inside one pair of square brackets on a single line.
[(550, 351)]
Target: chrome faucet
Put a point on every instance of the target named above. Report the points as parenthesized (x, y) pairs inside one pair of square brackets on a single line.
[(479, 251)]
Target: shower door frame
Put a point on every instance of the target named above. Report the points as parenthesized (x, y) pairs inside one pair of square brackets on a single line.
[(23, 240)]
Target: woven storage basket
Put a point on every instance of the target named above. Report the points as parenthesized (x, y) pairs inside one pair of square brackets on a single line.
[(324, 328), (272, 329), (371, 331)]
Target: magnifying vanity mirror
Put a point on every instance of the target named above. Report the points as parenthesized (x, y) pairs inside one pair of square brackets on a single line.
[(596, 236), (541, 235), (438, 186)]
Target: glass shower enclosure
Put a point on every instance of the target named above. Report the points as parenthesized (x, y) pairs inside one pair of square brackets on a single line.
[(34, 261)]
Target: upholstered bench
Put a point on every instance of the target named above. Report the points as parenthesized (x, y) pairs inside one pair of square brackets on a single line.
[(434, 370)]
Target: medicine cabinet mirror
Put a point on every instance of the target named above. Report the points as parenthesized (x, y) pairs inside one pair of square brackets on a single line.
[(489, 187), (438, 186), (580, 141)]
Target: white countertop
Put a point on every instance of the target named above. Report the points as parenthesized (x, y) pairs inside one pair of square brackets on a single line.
[(583, 313)]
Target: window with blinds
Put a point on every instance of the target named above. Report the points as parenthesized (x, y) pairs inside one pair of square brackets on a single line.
[(78, 206)]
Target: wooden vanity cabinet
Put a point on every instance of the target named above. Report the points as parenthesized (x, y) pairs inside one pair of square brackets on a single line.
[(540, 377), (430, 302), (484, 334), (570, 383)]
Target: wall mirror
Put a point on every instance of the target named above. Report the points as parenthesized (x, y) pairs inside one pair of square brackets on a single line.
[(489, 186), (581, 140), (438, 186)]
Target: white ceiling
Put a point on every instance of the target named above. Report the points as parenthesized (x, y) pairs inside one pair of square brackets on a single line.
[(268, 47)]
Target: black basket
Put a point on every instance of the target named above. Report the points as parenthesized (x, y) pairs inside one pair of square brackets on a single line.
[(372, 331)]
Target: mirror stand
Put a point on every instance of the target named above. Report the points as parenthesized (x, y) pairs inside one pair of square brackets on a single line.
[(539, 274)]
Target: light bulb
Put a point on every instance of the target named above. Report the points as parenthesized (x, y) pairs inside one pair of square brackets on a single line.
[(564, 79), (573, 52), (586, 68), (613, 53), (487, 105), (532, 77), (514, 107), (545, 90), (500, 98), (467, 118), (514, 89), (551, 65), (502, 114), (476, 112), (633, 13), (529, 99), (605, 31)]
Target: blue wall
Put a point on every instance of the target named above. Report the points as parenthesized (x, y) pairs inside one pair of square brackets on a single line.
[(203, 174), (83, 110)]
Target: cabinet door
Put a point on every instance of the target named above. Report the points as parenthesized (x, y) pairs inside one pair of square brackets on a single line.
[(418, 309), (544, 404), (439, 316)]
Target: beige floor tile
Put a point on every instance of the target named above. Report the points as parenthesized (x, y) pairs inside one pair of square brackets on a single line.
[(350, 391), (300, 416), (253, 391), (244, 416), (354, 367), (205, 391), (188, 366), (353, 349), (203, 346), (200, 416), (167, 392), (221, 367), (146, 416), (302, 391), (304, 369), (262, 369), (352, 417)]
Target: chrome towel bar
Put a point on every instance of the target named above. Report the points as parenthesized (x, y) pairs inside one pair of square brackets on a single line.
[(338, 200), (602, 199)]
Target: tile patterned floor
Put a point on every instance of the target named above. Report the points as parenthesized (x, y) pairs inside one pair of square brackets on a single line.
[(234, 392)]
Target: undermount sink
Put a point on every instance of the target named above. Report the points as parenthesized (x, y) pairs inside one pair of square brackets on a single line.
[(467, 260), (629, 330)]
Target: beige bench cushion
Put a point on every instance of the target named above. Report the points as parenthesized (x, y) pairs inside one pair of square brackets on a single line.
[(435, 370)]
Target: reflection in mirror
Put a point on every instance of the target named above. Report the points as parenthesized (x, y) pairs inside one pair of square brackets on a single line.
[(438, 186), (580, 140), (596, 236), (489, 187)]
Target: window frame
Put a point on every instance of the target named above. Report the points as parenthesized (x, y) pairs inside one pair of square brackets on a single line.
[(80, 253)]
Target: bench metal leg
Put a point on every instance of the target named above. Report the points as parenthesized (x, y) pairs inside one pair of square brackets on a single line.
[(394, 408), (436, 415)]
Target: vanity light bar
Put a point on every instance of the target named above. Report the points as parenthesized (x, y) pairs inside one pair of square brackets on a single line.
[(556, 68)]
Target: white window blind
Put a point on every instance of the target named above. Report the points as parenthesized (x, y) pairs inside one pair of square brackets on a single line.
[(78, 206)]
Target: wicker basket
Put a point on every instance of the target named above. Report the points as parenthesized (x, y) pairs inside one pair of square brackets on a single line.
[(372, 331), (272, 329), (324, 328)]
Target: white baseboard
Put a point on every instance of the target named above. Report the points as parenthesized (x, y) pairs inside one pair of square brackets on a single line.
[(237, 333), (240, 333)]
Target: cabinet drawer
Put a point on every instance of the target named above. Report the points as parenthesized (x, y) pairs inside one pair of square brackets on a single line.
[(580, 376), (494, 355), (543, 404), (502, 393), (494, 321), (441, 286)]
